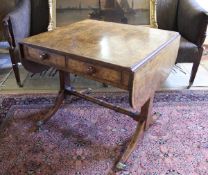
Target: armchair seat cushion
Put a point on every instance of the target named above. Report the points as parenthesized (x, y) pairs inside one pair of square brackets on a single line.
[(188, 52)]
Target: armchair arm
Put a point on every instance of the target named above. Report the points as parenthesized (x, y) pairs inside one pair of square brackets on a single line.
[(192, 21), (16, 25)]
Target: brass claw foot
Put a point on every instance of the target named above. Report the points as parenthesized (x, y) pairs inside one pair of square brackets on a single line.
[(40, 123), (131, 146), (121, 166), (51, 112)]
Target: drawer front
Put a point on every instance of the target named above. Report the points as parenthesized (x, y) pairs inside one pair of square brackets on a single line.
[(96, 72), (44, 57)]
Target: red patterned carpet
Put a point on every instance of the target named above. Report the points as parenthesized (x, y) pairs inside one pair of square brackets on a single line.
[(85, 139)]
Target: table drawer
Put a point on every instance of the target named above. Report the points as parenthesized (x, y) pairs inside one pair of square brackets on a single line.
[(44, 57), (96, 72)]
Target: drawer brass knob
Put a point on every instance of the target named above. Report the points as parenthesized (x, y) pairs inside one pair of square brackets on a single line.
[(91, 70), (43, 56)]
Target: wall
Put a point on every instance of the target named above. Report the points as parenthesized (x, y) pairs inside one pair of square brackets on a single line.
[(204, 4), (140, 4), (61, 4)]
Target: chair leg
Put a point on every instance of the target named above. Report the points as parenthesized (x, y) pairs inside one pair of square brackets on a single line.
[(17, 75), (195, 68), (105, 85), (193, 73), (15, 69)]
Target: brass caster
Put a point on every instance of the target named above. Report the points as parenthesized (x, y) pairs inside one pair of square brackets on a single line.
[(39, 123), (121, 166)]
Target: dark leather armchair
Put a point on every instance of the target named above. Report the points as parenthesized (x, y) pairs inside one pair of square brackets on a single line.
[(4, 10), (190, 20), (30, 17)]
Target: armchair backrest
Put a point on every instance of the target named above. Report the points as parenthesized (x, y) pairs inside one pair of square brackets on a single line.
[(192, 21), (17, 22), (40, 16), (30, 17), (5, 7), (185, 16), (167, 13)]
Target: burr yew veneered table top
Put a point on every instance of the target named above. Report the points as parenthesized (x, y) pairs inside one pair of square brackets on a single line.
[(135, 56)]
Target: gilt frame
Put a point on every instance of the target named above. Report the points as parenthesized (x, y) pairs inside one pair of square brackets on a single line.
[(52, 5), (153, 17)]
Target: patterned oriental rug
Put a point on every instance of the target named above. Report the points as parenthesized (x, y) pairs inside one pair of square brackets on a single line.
[(86, 139)]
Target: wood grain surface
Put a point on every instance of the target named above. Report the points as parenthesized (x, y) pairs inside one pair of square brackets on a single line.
[(135, 58), (117, 44)]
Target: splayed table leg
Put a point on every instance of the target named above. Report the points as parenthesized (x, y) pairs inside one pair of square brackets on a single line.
[(143, 124), (58, 101), (131, 147)]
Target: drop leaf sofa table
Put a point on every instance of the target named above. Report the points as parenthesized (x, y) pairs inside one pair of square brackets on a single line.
[(134, 58)]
